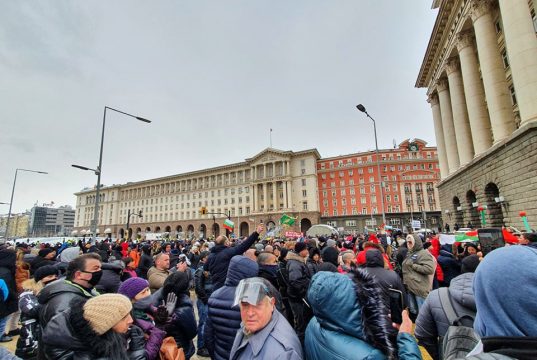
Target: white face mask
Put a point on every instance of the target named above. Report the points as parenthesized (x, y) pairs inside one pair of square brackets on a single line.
[(400, 242)]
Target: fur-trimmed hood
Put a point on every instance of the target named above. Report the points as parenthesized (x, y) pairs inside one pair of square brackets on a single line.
[(291, 255)]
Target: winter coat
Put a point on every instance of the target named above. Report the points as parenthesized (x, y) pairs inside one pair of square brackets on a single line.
[(299, 277), (203, 284), (418, 267), (156, 278), (451, 267), (68, 336), (432, 321), (224, 320), (153, 337), (21, 274), (39, 261), (7, 273), (387, 279), (194, 260), (135, 256), (277, 341), (182, 325), (30, 332), (337, 329), (55, 298), (220, 257), (111, 278), (313, 267), (146, 261)]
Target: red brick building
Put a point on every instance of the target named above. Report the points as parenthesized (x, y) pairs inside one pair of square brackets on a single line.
[(349, 192)]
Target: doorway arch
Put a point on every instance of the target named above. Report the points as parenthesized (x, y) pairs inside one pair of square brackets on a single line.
[(216, 230), (203, 231), (472, 211), (244, 229), (305, 225), (494, 208)]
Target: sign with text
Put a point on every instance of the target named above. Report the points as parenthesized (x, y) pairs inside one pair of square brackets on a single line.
[(416, 224), (293, 234)]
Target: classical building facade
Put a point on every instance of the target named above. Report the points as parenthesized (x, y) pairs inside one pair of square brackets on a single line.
[(480, 69), (349, 191), (261, 188)]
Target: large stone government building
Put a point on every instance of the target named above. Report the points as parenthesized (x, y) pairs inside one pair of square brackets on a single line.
[(480, 69), (264, 187)]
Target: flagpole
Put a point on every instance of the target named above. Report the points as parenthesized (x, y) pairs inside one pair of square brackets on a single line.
[(271, 137)]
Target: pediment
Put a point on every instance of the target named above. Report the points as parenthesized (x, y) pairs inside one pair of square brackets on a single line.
[(269, 155)]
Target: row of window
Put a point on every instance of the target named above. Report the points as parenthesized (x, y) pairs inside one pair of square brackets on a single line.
[(369, 159)]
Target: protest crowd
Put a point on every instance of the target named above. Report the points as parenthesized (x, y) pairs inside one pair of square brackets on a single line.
[(364, 296)]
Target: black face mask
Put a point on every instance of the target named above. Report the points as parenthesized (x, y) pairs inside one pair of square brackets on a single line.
[(95, 277)]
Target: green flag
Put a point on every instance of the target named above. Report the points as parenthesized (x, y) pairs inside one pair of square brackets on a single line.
[(287, 220)]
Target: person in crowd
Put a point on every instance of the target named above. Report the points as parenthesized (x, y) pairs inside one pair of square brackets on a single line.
[(27, 344), (134, 254), (528, 239), (158, 273), (506, 329), (298, 283), (194, 257), (432, 321), (83, 273), (387, 279), (360, 328), (251, 253), (470, 249), (129, 268), (111, 278), (314, 260), (264, 332), (269, 249), (96, 328), (347, 263), (418, 272), (221, 255), (224, 319), (330, 260), (22, 273), (268, 268), (137, 291), (146, 261), (44, 257), (283, 279), (66, 256), (8, 266), (182, 325), (204, 288), (451, 267)]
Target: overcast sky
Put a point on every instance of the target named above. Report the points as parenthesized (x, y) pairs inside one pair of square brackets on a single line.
[(213, 76)]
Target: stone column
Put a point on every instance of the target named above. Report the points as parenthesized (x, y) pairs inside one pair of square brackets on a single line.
[(492, 71), (439, 134), (275, 201), (460, 114), (522, 50), (285, 199), (447, 125), (253, 197), (289, 194), (265, 197), (264, 171), (475, 94), (288, 168)]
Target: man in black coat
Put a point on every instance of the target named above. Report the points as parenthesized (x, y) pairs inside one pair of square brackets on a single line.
[(387, 279), (221, 255), (9, 300)]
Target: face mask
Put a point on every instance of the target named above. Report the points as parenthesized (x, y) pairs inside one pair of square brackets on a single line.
[(95, 277), (143, 304)]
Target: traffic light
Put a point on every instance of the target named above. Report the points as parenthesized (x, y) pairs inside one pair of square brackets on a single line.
[(203, 211)]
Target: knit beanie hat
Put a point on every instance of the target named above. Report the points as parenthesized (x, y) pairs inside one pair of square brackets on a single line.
[(45, 271), (469, 264), (44, 252), (132, 287), (299, 246), (177, 283), (103, 312)]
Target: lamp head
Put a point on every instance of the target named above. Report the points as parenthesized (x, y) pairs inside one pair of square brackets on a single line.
[(142, 119), (361, 108)]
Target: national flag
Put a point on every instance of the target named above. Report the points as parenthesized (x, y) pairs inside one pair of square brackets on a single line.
[(467, 236), (287, 220), (228, 224)]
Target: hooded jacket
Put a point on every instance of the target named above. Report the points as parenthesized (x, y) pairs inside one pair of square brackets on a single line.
[(220, 257), (432, 321), (111, 278), (387, 279), (353, 331), (7, 273), (223, 319), (418, 269), (299, 277), (451, 267)]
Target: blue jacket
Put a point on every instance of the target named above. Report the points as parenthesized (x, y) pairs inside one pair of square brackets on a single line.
[(220, 256), (224, 320), (337, 329), (451, 267)]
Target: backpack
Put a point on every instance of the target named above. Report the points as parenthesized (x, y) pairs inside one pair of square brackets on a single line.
[(460, 338)]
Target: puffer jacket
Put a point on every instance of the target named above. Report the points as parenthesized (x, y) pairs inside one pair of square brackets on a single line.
[(30, 333), (68, 336), (299, 276), (451, 267), (202, 284), (432, 321), (111, 279), (387, 279), (338, 330), (146, 261), (418, 269), (7, 273), (224, 320), (182, 325), (21, 275)]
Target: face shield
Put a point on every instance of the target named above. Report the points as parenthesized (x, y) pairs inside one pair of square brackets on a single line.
[(252, 291)]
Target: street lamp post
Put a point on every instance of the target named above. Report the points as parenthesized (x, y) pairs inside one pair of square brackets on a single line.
[(98, 171), (129, 214), (13, 193), (362, 109)]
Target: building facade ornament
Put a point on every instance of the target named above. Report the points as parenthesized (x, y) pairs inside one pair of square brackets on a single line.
[(480, 8), (442, 85), (433, 99), (452, 65), (465, 39)]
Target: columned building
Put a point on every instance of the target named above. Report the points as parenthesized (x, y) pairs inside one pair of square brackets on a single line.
[(480, 69), (349, 188), (261, 188)]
